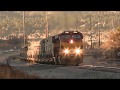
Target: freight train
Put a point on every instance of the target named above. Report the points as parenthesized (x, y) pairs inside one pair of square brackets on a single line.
[(64, 48)]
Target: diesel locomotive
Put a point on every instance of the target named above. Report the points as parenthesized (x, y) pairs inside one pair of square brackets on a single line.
[(64, 48)]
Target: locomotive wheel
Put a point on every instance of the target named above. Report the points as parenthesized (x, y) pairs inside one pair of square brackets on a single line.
[(59, 59), (56, 60), (53, 61), (49, 62), (77, 65), (81, 59)]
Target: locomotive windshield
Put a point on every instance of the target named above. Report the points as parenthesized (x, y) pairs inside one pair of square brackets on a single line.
[(75, 36), (65, 36)]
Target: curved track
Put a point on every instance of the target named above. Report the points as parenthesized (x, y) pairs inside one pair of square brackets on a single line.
[(87, 66), (83, 71), (101, 68)]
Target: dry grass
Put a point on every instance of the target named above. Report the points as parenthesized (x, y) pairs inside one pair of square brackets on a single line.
[(7, 72)]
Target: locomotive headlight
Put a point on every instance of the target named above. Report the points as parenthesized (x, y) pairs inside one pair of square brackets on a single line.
[(78, 51), (66, 51), (71, 41)]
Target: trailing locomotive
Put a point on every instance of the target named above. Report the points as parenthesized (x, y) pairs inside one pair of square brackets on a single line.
[(64, 48)]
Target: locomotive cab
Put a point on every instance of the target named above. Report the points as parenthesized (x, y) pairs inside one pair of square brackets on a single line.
[(68, 48)]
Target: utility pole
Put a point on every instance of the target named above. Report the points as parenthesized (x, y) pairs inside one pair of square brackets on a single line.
[(24, 27), (99, 13), (113, 24), (91, 32), (46, 20), (99, 33), (77, 21)]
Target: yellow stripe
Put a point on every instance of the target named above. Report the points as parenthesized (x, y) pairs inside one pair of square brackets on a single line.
[(71, 45)]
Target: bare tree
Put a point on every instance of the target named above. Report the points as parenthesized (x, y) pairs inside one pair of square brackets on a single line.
[(112, 45)]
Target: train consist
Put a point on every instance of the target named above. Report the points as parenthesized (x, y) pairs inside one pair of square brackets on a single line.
[(64, 48), (31, 52)]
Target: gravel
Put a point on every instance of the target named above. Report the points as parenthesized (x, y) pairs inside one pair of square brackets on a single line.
[(61, 72)]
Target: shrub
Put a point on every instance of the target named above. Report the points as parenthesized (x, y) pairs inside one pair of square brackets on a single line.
[(7, 72), (112, 45)]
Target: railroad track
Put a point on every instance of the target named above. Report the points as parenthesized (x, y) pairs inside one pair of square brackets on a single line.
[(100, 68), (90, 67)]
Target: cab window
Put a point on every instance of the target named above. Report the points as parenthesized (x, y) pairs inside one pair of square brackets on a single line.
[(65, 36), (75, 36)]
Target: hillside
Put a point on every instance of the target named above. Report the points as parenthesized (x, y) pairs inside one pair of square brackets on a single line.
[(12, 21)]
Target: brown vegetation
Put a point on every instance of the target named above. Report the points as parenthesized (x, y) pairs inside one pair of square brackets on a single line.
[(7, 72), (112, 46)]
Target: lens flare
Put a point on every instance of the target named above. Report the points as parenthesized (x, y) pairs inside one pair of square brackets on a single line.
[(66, 51), (78, 51), (71, 41)]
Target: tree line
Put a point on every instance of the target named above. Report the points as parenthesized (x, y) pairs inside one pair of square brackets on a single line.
[(12, 21)]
